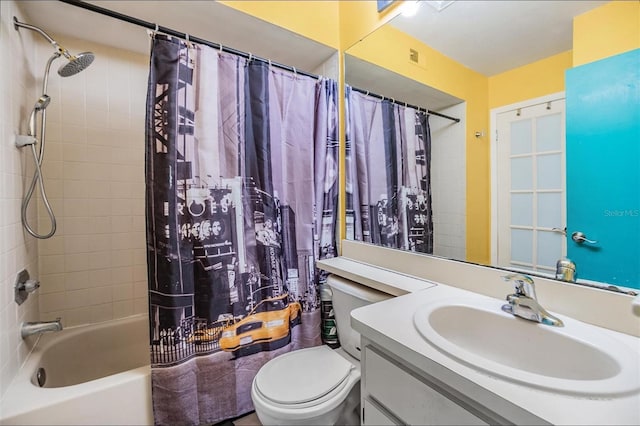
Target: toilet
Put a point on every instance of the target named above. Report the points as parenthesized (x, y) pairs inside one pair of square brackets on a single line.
[(319, 385)]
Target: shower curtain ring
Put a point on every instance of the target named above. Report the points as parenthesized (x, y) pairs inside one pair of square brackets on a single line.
[(250, 56), (154, 32)]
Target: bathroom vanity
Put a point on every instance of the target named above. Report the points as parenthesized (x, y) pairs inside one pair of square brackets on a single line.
[(396, 392), (406, 379), (440, 354)]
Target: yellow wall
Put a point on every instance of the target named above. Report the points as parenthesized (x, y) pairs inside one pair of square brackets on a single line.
[(606, 31), (529, 81), (389, 48), (358, 19)]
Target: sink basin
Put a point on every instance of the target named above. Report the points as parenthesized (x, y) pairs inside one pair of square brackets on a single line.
[(577, 359)]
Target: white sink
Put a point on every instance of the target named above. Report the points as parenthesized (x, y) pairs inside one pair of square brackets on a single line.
[(578, 358)]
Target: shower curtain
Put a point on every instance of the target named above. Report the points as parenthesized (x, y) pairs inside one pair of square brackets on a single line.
[(388, 154), (241, 170)]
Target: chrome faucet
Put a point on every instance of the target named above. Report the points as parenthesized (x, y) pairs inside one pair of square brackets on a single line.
[(524, 303), (29, 328), (566, 270)]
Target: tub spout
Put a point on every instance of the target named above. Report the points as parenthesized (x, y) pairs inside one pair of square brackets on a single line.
[(29, 328)]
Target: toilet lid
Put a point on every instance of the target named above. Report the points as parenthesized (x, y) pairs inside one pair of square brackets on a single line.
[(302, 376)]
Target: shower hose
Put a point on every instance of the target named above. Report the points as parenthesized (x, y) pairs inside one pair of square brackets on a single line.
[(38, 180)]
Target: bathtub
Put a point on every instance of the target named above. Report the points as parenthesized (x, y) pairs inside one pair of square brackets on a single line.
[(96, 374)]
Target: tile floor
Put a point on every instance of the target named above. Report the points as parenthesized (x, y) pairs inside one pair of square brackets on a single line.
[(250, 419)]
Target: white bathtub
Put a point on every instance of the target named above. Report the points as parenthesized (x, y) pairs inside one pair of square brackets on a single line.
[(97, 374)]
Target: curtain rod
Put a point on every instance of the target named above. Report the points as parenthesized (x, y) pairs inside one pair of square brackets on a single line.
[(184, 36), (366, 92)]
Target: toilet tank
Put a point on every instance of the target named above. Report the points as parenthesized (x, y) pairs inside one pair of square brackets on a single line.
[(346, 296)]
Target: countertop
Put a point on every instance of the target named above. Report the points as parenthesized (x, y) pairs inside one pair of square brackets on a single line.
[(390, 324)]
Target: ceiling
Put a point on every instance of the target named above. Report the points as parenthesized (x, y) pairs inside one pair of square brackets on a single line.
[(208, 20), (491, 37)]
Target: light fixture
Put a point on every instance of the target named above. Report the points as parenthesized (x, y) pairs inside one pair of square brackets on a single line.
[(439, 5), (410, 8)]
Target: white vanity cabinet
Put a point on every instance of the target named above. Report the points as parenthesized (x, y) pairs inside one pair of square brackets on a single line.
[(393, 394)]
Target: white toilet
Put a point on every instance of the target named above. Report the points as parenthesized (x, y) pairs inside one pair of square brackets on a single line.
[(319, 385)]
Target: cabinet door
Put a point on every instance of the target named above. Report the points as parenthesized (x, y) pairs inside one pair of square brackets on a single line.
[(373, 416), (408, 398), (603, 168)]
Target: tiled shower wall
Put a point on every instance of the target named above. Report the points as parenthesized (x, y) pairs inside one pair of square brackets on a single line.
[(449, 183), (17, 251), (94, 268)]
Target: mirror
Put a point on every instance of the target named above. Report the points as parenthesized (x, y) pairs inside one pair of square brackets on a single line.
[(404, 61)]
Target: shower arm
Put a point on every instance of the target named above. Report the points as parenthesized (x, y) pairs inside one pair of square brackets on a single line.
[(17, 24), (61, 50)]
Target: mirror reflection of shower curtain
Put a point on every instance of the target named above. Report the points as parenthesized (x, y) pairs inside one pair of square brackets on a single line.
[(233, 230), (388, 174)]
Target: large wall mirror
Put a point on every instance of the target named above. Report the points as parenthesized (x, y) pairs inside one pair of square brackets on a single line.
[(449, 58)]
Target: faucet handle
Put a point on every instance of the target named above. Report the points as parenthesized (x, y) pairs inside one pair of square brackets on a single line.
[(523, 284)]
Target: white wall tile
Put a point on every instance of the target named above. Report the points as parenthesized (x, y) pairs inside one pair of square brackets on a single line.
[(123, 308), (103, 312), (448, 186), (101, 296), (76, 280), (55, 283), (100, 152)]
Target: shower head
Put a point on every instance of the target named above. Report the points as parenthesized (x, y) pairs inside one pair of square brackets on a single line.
[(42, 102), (76, 63)]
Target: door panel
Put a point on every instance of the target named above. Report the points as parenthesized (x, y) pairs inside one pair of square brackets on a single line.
[(531, 186), (603, 168)]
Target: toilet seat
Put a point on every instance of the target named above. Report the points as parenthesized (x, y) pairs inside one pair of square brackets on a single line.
[(304, 378)]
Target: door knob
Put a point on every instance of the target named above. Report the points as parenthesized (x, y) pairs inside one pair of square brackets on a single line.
[(580, 238)]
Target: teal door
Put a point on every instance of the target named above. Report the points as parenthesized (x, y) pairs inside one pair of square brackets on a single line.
[(603, 169)]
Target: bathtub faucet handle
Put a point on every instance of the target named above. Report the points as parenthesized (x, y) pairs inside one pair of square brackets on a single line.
[(23, 286), (30, 286)]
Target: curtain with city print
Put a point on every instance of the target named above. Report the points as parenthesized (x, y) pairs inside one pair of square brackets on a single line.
[(241, 172), (388, 154)]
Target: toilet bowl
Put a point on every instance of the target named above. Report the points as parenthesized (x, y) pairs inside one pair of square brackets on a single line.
[(314, 386), (319, 385)]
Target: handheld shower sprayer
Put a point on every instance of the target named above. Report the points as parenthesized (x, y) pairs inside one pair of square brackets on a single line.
[(75, 64), (41, 104)]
